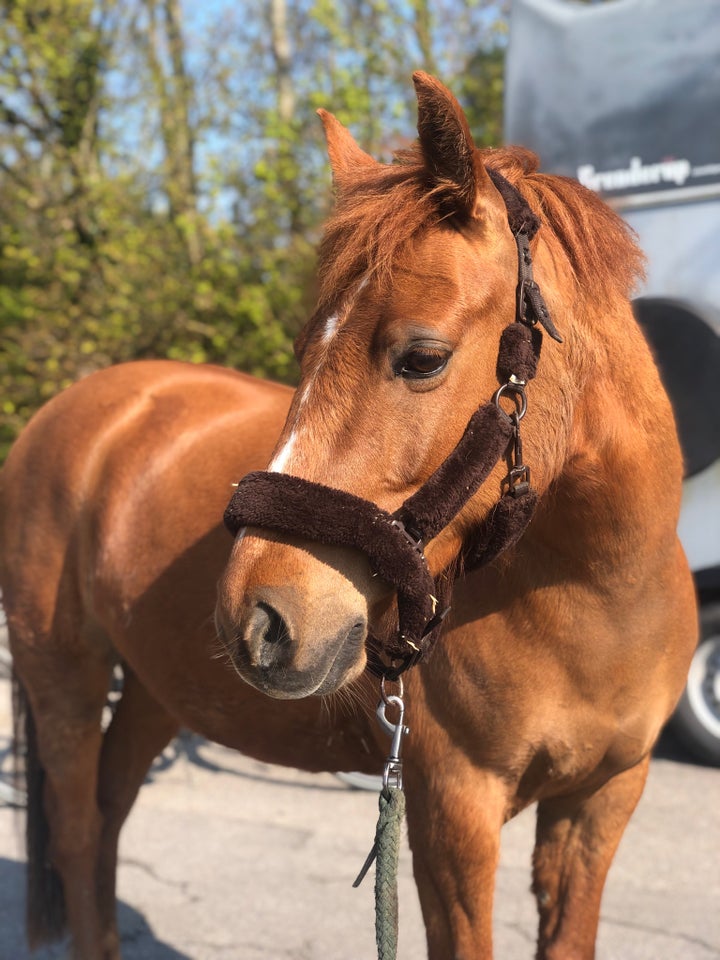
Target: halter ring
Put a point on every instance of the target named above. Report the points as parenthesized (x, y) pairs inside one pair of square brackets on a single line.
[(518, 392)]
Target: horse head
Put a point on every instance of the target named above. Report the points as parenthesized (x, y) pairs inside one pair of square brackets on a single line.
[(418, 279)]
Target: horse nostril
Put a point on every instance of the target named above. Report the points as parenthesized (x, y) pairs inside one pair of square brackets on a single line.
[(267, 636), (275, 630)]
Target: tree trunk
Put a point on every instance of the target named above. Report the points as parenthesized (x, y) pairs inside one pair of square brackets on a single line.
[(287, 165), (174, 90), (282, 54)]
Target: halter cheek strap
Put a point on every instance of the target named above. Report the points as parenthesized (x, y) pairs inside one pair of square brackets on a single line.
[(394, 543)]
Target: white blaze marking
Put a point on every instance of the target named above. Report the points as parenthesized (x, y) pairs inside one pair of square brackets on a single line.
[(281, 461), (282, 458)]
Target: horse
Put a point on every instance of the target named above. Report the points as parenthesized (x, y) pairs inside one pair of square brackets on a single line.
[(564, 650)]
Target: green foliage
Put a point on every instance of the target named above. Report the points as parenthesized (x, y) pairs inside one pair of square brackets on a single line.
[(161, 193), (482, 89)]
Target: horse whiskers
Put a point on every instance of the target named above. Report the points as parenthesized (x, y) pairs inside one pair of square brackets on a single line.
[(351, 699), (222, 649), (337, 703)]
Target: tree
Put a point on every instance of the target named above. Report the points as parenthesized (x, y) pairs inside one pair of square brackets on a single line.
[(162, 173)]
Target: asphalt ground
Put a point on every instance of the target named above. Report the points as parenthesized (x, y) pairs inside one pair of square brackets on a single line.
[(225, 858)]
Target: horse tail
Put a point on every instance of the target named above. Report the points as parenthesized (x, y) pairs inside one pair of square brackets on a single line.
[(46, 919)]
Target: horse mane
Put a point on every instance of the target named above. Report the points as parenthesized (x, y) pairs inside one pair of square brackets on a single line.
[(599, 245), (387, 205)]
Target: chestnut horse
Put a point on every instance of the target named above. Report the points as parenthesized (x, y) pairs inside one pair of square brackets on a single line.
[(561, 659)]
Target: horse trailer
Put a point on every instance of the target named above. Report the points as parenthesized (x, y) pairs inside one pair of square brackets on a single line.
[(624, 96)]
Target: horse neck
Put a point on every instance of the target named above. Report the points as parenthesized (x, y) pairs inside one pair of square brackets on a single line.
[(615, 501)]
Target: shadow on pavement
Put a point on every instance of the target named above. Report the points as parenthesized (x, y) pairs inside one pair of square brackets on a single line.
[(138, 940), (188, 746)]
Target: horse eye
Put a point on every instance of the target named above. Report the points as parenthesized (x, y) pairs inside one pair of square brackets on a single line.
[(419, 364)]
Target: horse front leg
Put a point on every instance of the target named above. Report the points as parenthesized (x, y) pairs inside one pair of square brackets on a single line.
[(454, 821), (576, 840)]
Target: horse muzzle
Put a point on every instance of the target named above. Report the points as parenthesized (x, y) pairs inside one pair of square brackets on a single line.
[(292, 640)]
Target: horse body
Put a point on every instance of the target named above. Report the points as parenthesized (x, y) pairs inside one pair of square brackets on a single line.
[(131, 470), (560, 660)]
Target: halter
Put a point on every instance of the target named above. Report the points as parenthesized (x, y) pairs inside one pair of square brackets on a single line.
[(395, 542)]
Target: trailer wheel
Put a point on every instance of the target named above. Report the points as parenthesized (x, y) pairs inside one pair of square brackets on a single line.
[(697, 718)]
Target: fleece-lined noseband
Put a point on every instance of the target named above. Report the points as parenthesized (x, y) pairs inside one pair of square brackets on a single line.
[(394, 543)]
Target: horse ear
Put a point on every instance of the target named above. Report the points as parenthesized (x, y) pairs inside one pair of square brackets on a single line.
[(448, 148), (346, 157)]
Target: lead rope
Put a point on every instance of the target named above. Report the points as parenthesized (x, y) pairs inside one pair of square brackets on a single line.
[(386, 847)]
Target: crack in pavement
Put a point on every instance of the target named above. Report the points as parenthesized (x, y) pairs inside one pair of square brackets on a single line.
[(182, 885), (521, 931), (713, 950)]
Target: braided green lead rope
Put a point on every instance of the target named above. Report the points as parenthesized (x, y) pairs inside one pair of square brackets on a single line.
[(387, 837), (386, 849)]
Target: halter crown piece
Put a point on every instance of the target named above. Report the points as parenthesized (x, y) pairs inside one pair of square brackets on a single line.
[(394, 543)]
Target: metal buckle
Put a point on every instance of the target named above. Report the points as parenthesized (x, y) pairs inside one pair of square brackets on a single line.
[(519, 480), (414, 540)]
